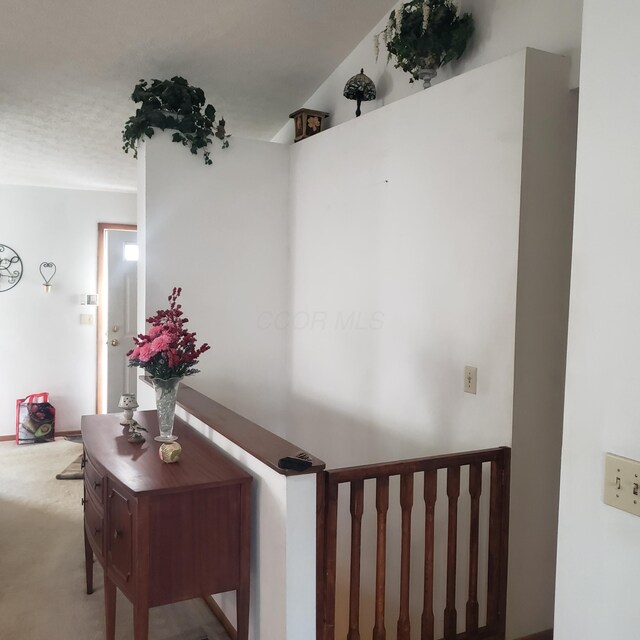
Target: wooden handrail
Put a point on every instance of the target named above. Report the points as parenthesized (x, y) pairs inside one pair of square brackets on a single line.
[(261, 443), (497, 551), (414, 465)]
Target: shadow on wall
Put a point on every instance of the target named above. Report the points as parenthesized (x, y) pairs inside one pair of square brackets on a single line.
[(342, 439)]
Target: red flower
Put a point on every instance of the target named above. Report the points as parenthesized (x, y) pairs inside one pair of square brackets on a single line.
[(168, 350)]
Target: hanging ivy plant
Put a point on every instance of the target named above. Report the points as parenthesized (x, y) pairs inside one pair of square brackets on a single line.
[(425, 34), (174, 104)]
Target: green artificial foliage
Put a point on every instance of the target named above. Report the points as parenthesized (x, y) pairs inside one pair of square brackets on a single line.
[(417, 42), (173, 104)]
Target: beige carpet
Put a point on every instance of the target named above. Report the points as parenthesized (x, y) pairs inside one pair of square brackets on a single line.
[(42, 587)]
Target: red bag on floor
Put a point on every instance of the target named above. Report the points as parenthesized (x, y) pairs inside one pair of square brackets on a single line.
[(35, 419)]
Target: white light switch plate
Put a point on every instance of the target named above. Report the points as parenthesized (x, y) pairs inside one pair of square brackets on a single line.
[(622, 483), (470, 379)]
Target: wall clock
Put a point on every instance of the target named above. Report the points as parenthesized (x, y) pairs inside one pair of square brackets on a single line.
[(10, 268)]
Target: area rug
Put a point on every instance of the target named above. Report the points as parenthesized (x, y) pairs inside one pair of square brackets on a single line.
[(73, 472)]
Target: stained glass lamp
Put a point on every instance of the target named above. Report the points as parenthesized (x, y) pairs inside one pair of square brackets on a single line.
[(361, 88)]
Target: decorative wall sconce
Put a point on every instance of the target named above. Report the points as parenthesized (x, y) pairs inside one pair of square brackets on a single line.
[(47, 269), (10, 268)]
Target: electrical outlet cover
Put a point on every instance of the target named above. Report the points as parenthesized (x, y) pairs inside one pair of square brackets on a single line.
[(470, 379)]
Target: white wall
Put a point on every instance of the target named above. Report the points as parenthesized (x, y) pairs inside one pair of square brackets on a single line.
[(544, 262), (220, 232), (502, 27), (417, 250), (283, 547), (43, 346), (413, 232), (344, 288), (598, 559)]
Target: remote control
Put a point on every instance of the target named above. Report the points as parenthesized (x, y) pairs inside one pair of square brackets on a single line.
[(299, 462)]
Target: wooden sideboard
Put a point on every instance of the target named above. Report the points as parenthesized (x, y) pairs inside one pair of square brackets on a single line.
[(163, 532)]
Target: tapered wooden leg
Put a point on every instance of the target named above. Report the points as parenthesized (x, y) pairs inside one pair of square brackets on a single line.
[(88, 563), (140, 622), (109, 608)]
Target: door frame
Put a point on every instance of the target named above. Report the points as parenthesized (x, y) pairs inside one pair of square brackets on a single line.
[(102, 228)]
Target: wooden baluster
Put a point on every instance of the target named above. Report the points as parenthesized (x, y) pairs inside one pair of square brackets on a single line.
[(505, 492), (430, 494), (406, 502), (453, 492), (475, 489), (330, 537), (498, 542), (382, 506), (493, 586), (321, 511), (357, 507)]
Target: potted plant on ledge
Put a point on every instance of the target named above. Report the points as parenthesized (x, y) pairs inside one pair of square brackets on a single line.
[(424, 35), (174, 104)]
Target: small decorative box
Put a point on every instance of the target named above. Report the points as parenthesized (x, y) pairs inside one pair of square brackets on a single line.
[(170, 452)]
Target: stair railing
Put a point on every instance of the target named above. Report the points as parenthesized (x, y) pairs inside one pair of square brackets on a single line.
[(498, 531)]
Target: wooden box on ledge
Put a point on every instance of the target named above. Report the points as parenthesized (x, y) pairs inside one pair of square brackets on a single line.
[(307, 123)]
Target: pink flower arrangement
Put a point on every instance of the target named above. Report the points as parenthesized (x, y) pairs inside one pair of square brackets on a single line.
[(168, 350)]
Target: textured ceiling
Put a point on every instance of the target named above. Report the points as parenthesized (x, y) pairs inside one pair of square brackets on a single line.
[(67, 69)]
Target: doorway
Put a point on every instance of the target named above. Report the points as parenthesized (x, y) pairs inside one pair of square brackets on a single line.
[(117, 313)]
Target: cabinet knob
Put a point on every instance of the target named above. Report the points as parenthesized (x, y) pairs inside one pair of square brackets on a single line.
[(96, 531), (117, 534), (96, 484), (83, 501)]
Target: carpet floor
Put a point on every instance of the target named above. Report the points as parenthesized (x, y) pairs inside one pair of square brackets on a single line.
[(42, 585)]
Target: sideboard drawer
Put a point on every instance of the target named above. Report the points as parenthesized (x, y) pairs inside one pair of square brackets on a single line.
[(93, 480)]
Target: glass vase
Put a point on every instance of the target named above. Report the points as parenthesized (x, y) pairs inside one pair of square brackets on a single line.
[(166, 392)]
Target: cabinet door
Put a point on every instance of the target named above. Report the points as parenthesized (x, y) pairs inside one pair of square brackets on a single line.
[(120, 535)]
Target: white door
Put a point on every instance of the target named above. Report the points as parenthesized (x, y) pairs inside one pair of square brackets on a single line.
[(120, 317)]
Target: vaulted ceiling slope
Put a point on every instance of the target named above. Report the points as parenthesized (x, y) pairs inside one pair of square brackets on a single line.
[(67, 70)]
